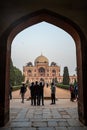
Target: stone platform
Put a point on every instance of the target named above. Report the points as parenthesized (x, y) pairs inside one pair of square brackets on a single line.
[(62, 116)]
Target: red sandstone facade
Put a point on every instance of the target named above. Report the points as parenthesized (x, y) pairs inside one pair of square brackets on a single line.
[(42, 71)]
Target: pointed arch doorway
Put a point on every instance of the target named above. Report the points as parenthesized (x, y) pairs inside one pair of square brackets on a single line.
[(5, 53)]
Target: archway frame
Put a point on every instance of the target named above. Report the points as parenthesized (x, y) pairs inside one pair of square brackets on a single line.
[(5, 54)]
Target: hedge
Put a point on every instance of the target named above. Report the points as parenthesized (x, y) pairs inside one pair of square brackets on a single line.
[(16, 87), (63, 86)]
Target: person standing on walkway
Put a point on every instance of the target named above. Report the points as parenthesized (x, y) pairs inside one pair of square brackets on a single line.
[(72, 93), (53, 91), (32, 92), (41, 84), (22, 91), (76, 92), (10, 91), (36, 94)]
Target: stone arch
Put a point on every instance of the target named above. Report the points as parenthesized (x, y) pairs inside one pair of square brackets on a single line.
[(5, 52), (41, 71)]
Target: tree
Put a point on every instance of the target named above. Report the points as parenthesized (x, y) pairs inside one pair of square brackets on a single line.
[(16, 76), (66, 76), (12, 76)]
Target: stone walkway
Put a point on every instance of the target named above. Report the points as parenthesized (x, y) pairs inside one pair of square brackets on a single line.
[(60, 93), (62, 116)]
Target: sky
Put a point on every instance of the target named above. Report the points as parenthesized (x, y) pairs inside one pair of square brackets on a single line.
[(46, 39)]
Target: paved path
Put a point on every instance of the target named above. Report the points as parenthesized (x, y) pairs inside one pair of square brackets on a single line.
[(60, 93), (62, 116)]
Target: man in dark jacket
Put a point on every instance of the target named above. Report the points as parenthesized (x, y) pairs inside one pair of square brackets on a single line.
[(32, 93), (36, 93), (22, 91), (42, 92)]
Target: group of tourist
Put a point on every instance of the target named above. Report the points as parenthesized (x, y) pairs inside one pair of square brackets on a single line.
[(37, 92)]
